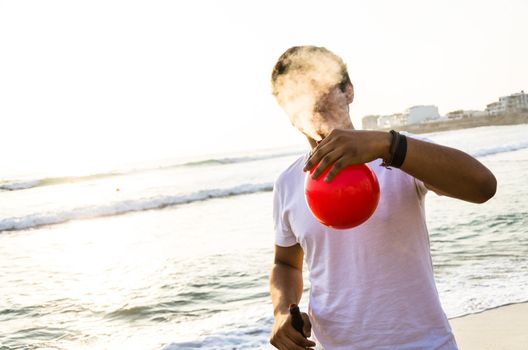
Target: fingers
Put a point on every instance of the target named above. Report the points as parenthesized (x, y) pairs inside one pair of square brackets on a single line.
[(338, 165), (307, 329), (328, 138), (299, 339), (315, 157), (323, 147), (285, 344), (288, 343), (325, 162), (286, 337)]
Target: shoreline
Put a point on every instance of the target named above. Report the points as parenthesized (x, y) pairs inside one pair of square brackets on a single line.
[(502, 327), (464, 123)]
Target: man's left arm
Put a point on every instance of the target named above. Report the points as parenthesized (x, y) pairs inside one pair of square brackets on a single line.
[(448, 171), (445, 170)]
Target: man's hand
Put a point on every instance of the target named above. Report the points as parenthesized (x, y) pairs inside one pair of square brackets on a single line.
[(445, 170), (343, 147), (285, 337)]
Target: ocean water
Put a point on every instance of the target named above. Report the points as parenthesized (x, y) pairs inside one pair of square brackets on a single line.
[(177, 256)]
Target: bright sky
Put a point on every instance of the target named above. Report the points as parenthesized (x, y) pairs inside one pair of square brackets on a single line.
[(103, 82)]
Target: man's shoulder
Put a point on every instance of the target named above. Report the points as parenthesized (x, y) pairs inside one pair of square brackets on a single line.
[(292, 172)]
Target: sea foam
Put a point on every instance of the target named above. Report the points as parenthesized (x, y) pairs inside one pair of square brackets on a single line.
[(122, 207)]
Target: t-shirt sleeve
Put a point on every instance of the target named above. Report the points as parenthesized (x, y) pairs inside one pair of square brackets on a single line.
[(419, 184), (420, 187), (284, 236)]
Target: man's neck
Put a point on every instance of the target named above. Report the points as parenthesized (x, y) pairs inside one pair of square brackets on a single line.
[(312, 142)]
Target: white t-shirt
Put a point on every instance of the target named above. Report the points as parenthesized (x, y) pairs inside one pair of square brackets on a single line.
[(372, 286)]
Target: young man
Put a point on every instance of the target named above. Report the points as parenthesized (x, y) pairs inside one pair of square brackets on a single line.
[(372, 286)]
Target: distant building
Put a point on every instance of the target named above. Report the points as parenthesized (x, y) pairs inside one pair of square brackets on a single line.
[(370, 122), (399, 119), (391, 120), (478, 114), (418, 114), (517, 102), (384, 121), (460, 114), (494, 108)]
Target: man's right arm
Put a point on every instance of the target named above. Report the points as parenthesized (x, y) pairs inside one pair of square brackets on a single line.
[(286, 287)]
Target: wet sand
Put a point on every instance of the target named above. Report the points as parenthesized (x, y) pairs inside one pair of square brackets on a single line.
[(503, 328)]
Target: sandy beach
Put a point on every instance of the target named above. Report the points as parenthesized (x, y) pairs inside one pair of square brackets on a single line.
[(503, 328)]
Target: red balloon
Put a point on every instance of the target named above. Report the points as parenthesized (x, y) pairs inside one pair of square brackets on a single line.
[(348, 200)]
